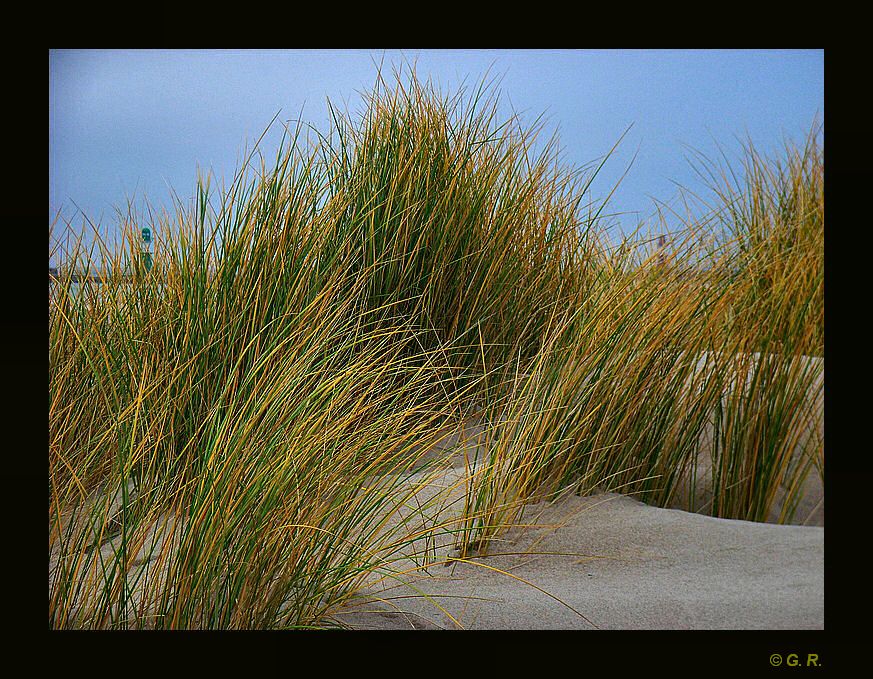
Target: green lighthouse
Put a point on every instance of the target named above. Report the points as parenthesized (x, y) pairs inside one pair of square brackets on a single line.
[(146, 253)]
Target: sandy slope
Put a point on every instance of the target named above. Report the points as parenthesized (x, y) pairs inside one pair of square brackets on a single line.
[(611, 562), (626, 565)]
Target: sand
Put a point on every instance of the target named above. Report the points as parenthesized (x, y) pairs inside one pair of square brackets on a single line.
[(625, 565), (611, 562)]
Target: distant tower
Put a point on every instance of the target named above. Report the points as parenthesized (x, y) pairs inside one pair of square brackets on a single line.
[(147, 243)]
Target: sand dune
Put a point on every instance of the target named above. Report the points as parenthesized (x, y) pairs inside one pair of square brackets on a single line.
[(611, 562), (604, 561), (616, 563)]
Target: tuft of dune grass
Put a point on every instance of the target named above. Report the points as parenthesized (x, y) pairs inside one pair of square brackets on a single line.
[(239, 435)]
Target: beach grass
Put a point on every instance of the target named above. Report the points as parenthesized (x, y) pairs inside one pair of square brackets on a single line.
[(236, 426)]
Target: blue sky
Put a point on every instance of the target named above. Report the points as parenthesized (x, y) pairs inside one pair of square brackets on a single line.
[(133, 123)]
